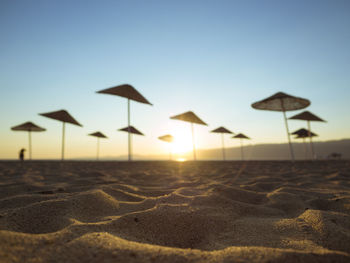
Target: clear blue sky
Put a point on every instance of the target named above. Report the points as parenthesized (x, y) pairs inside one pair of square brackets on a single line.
[(212, 57)]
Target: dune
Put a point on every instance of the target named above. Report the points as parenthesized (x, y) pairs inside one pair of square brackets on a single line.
[(256, 211)]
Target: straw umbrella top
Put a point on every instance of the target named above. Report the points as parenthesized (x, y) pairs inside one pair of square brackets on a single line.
[(188, 116), (166, 138), (221, 130), (306, 135), (241, 136), (306, 116), (300, 131), (281, 102), (98, 135), (132, 130), (126, 91), (303, 133), (61, 115), (28, 126)]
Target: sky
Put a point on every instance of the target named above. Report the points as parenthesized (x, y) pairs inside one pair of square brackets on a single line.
[(212, 57)]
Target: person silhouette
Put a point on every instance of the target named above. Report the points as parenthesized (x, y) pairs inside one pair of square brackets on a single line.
[(21, 154)]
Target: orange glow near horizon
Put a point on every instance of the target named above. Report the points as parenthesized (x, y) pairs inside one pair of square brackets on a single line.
[(181, 160)]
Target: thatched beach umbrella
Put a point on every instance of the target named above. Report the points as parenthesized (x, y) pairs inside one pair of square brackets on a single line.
[(98, 135), (130, 130), (241, 136), (129, 92), (29, 127), (282, 102), (189, 116), (302, 134), (169, 139), (63, 116), (308, 117), (222, 131)]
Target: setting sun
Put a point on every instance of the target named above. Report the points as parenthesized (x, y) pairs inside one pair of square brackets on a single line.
[(182, 141)]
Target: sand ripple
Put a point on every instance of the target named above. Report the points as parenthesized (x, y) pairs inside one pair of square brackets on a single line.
[(175, 212)]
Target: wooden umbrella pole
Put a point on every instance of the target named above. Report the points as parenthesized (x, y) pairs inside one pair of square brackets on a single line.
[(170, 157), (311, 144), (98, 149), (223, 146), (129, 133), (305, 148), (193, 141), (63, 135), (30, 144), (287, 128), (288, 135), (131, 146), (242, 153)]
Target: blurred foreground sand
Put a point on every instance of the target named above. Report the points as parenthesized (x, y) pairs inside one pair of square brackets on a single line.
[(175, 212)]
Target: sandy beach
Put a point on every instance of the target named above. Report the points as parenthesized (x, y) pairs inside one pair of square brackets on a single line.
[(175, 212)]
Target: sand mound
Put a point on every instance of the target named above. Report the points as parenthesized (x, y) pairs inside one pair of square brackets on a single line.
[(332, 228), (53, 215), (92, 206), (43, 217), (175, 212), (172, 226)]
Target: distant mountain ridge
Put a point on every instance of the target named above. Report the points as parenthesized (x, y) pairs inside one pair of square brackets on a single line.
[(262, 152), (281, 151)]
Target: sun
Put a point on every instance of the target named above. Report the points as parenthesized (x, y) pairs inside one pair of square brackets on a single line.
[(182, 141)]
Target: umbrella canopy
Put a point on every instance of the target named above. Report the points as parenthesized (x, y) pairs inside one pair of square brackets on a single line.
[(282, 102), (189, 116), (129, 92), (166, 138), (303, 133), (306, 116), (98, 135), (126, 91), (241, 136), (29, 127), (131, 129), (222, 130), (63, 116)]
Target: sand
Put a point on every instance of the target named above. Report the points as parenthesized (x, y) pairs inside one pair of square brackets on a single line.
[(175, 212)]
